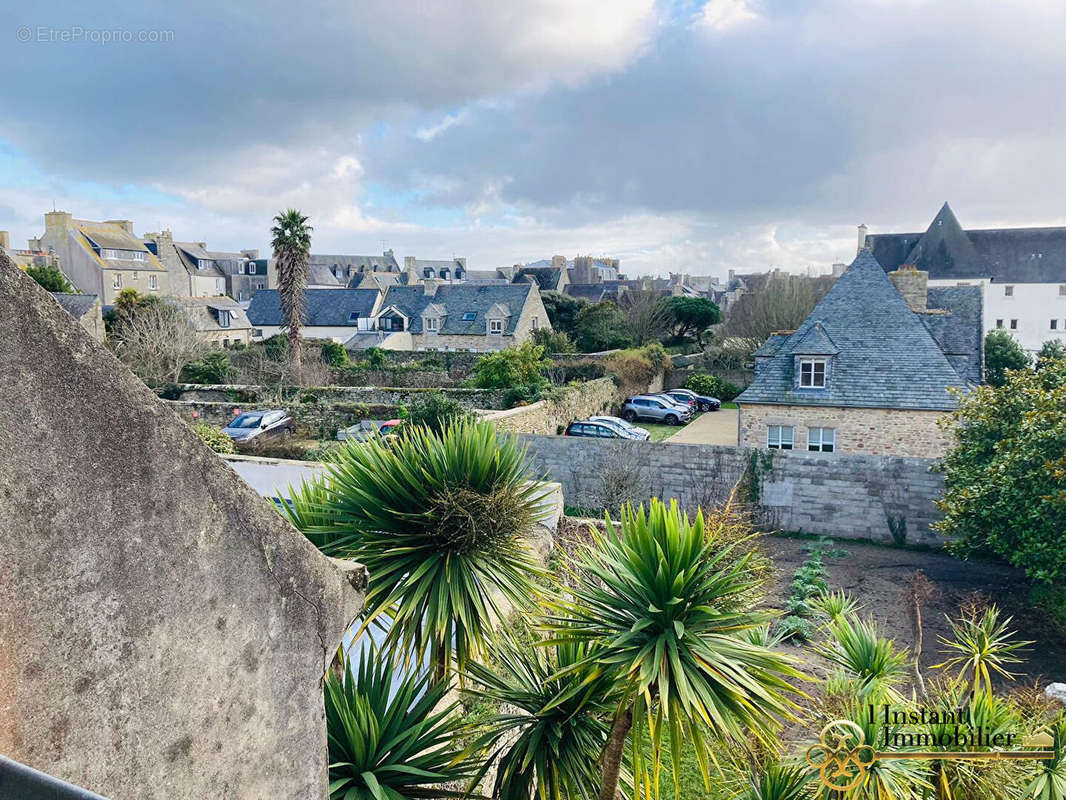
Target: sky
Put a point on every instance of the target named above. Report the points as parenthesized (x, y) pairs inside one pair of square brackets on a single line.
[(677, 136)]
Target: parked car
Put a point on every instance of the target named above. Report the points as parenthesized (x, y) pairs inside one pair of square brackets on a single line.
[(260, 425), (640, 434), (702, 401), (600, 430), (361, 431), (653, 407)]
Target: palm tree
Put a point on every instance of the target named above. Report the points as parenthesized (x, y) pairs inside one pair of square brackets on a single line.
[(291, 240), (438, 519), (663, 610)]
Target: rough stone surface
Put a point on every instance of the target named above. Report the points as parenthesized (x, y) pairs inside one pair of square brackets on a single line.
[(581, 401), (883, 498), (163, 632), (1057, 692)]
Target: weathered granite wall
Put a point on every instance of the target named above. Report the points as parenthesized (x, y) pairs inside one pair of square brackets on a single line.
[(312, 419), (368, 395), (568, 403), (883, 498), (163, 631)]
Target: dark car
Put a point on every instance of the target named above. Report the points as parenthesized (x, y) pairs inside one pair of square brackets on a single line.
[(701, 401), (598, 430), (260, 425), (656, 408)]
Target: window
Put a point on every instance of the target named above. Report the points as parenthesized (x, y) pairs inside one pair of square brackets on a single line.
[(1014, 324), (496, 326), (153, 282), (223, 319), (225, 342), (135, 276), (117, 281), (999, 323), (1008, 291), (203, 263), (812, 373), (780, 437), (432, 324), (258, 332), (533, 323), (260, 285), (469, 316), (353, 317), (139, 255), (1054, 324), (821, 439), (427, 273), (240, 267), (251, 268)]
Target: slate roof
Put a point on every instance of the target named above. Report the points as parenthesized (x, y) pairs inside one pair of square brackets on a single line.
[(547, 278), (960, 334), (887, 357), (322, 307), (771, 345), (460, 299), (593, 292), (815, 342), (77, 305), (190, 254), (948, 252), (321, 266), (203, 313)]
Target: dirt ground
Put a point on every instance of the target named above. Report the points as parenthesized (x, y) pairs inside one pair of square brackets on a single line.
[(875, 575)]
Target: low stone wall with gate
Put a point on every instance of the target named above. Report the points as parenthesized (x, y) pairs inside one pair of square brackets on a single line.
[(882, 498)]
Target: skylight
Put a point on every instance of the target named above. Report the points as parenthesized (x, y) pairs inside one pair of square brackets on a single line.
[(469, 316)]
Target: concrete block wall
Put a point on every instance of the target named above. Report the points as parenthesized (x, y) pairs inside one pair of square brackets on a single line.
[(882, 498)]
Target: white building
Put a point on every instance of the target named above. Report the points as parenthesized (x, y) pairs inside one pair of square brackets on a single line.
[(1021, 271)]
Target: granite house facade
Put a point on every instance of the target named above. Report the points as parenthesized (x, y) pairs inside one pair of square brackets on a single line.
[(872, 370)]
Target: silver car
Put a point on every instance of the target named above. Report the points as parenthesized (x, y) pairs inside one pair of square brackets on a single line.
[(260, 424), (656, 408), (632, 431)]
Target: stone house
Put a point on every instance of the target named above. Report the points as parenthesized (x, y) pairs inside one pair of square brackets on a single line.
[(218, 320), (196, 271), (328, 271), (455, 317), (86, 309), (336, 314), (871, 370), (102, 258), (1021, 272)]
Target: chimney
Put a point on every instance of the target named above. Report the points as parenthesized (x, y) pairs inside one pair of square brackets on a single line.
[(913, 284), (862, 238), (429, 286), (125, 224), (838, 269), (251, 254), (57, 221), (5, 240), (559, 262)]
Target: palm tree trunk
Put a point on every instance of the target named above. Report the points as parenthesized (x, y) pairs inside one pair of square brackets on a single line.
[(612, 755)]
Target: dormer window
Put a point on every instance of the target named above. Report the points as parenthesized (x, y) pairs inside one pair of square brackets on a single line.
[(812, 373), (203, 263), (495, 326), (432, 324), (223, 319)]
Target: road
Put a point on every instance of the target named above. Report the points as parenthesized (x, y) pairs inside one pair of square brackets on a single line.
[(712, 427)]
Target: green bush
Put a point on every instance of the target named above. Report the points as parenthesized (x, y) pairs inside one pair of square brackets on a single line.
[(554, 341), (436, 411), (277, 346), (1002, 352), (334, 354), (212, 368), (791, 627), (375, 358), (713, 386), (215, 438), (50, 278), (513, 366)]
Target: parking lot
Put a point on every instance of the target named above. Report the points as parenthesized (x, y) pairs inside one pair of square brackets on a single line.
[(713, 427)]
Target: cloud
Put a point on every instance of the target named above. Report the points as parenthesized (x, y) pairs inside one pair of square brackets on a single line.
[(722, 15)]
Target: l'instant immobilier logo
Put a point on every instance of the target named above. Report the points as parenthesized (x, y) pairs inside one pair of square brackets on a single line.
[(843, 756)]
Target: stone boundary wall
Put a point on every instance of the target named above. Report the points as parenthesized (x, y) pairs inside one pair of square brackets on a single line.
[(581, 401), (882, 498), (312, 419), (368, 395)]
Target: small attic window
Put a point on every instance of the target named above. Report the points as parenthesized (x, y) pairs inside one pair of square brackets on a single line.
[(353, 316), (812, 373), (470, 316)]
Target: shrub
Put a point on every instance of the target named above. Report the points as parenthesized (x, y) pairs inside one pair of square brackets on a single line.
[(334, 354), (213, 367), (601, 326), (51, 278), (554, 341), (513, 366), (277, 346), (635, 369), (436, 411), (1002, 352), (215, 438), (713, 386), (792, 627), (375, 357)]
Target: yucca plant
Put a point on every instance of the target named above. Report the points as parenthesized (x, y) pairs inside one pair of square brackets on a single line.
[(779, 782), (438, 519), (387, 737), (559, 725), (982, 645), (834, 606), (871, 660), (1050, 780), (658, 606)]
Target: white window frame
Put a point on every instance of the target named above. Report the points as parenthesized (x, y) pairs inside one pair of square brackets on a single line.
[(432, 324), (116, 281), (533, 323), (153, 282), (822, 440), (223, 319), (813, 364), (776, 438), (495, 327)]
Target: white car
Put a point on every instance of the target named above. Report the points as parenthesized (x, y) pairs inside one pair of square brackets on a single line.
[(631, 431)]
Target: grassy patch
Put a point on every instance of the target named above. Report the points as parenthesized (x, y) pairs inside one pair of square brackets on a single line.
[(730, 404), (659, 432), (1053, 600)]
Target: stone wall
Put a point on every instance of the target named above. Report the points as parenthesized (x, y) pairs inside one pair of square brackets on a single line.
[(163, 631), (366, 395), (568, 403), (400, 378), (312, 419), (874, 431), (882, 498)]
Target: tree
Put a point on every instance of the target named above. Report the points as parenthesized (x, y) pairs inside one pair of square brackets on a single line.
[(1002, 352), (291, 241), (648, 314), (1005, 478), (436, 411), (511, 367), (601, 326), (692, 314), (554, 341), (50, 278), (157, 343), (664, 606), (562, 311), (1051, 351), (779, 304)]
